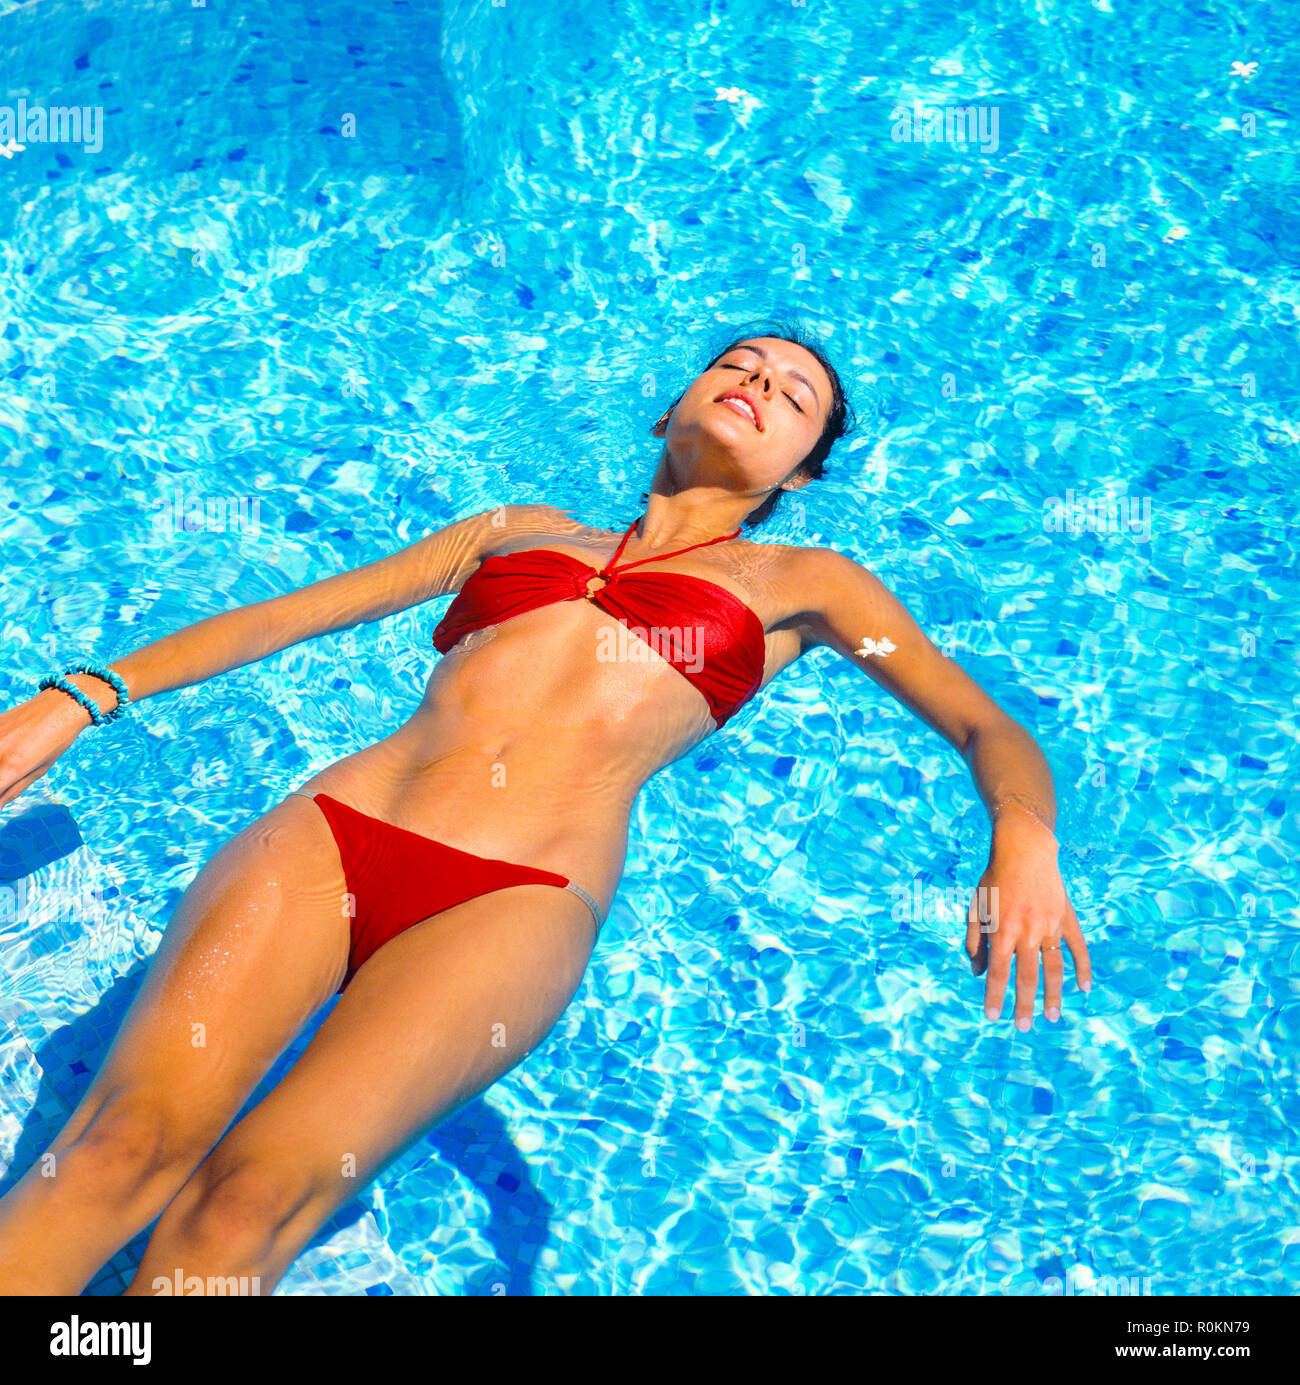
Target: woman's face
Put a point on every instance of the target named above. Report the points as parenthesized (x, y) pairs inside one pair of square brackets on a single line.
[(750, 418)]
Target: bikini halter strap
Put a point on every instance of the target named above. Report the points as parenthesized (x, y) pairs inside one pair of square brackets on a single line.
[(609, 568)]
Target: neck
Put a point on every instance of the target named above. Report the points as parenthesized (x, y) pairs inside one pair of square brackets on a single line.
[(691, 515)]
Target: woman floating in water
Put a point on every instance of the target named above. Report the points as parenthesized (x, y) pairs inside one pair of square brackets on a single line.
[(451, 880)]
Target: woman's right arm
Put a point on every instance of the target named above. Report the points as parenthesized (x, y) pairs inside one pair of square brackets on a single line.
[(34, 734)]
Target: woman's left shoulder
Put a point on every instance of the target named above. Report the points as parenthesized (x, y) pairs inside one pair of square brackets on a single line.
[(810, 563)]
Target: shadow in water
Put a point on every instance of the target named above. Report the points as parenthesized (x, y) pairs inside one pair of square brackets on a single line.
[(519, 1217), (39, 836)]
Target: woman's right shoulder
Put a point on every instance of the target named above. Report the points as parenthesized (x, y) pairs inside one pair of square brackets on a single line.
[(504, 524)]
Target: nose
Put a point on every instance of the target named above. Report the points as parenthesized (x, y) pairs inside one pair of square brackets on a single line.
[(763, 377)]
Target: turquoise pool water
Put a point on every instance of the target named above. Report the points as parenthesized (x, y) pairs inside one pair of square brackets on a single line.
[(356, 274)]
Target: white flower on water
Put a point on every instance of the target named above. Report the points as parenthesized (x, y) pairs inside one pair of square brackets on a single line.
[(880, 648), (737, 96), (12, 147), (1246, 70)]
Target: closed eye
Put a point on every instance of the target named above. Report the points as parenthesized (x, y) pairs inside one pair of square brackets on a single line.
[(727, 365)]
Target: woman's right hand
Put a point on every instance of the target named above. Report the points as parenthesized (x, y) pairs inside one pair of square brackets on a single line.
[(33, 735)]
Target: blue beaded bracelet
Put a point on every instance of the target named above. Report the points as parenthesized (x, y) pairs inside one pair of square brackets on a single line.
[(112, 678), (108, 675)]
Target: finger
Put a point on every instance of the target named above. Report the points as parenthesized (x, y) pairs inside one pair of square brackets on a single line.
[(1026, 985), (1073, 936), (1053, 972), (977, 942), (995, 987)]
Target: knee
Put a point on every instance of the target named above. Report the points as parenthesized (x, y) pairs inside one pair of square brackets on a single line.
[(124, 1146), (241, 1208)]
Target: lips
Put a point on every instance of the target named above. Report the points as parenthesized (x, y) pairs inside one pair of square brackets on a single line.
[(743, 404)]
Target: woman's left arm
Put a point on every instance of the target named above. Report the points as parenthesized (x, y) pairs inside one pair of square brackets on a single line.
[(1026, 911)]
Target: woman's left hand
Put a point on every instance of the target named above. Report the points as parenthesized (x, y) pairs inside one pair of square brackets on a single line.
[(1025, 915)]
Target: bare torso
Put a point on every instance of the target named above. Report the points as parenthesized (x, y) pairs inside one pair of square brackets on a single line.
[(527, 748)]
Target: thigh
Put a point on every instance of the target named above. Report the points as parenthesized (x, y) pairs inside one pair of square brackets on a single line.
[(257, 944), (434, 1017)]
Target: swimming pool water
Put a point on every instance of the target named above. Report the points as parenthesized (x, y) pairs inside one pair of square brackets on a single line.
[(358, 272)]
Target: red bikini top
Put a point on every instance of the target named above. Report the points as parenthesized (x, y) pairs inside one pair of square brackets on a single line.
[(710, 636)]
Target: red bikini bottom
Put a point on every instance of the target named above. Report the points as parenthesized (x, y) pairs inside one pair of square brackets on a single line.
[(397, 878)]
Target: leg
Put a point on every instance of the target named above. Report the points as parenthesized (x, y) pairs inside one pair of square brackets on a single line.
[(434, 1017), (258, 943)]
